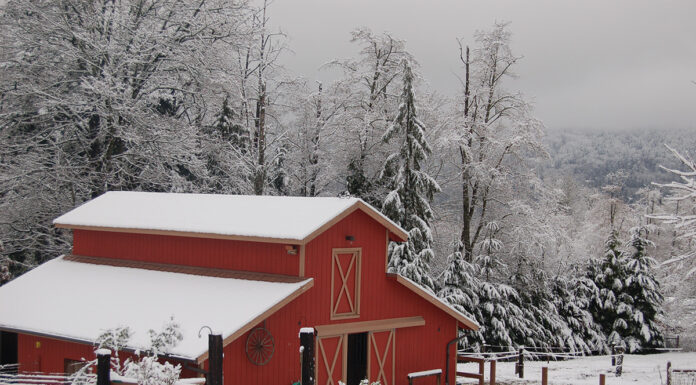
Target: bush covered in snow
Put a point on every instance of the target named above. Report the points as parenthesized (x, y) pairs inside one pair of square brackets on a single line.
[(145, 367)]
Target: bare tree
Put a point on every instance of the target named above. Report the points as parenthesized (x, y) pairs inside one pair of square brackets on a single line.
[(495, 129), (373, 83), (100, 96), (683, 192)]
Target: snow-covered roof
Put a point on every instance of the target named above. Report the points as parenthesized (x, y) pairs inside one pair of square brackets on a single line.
[(285, 219), (52, 300)]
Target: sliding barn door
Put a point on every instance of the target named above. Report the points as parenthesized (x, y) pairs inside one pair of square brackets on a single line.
[(330, 365), (382, 356)]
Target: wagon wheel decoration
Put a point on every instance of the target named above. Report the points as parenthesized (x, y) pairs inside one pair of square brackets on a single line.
[(260, 346)]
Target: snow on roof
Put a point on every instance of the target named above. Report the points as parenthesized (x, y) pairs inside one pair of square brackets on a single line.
[(52, 299), (288, 218)]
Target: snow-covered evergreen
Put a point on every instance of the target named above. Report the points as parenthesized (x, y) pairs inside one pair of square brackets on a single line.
[(643, 330), (460, 287), (411, 189), (199, 102), (572, 295), (611, 307), (628, 300)]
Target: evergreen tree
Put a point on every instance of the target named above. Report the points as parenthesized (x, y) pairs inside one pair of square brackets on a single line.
[(503, 321), (231, 131), (411, 189), (641, 285), (460, 289), (280, 175), (223, 144), (572, 296), (612, 306)]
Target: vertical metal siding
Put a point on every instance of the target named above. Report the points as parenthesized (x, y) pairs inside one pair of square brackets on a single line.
[(42, 354), (201, 252), (417, 348)]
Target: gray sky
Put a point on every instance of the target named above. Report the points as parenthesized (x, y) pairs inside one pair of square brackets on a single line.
[(591, 63)]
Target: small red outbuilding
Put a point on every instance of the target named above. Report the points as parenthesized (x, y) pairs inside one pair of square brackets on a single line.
[(254, 269)]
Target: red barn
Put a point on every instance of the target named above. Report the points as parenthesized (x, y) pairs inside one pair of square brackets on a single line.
[(254, 269)]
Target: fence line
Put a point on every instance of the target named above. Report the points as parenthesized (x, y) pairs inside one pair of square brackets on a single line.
[(36, 379), (680, 376)]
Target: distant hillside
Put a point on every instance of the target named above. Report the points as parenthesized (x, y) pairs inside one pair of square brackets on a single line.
[(590, 155)]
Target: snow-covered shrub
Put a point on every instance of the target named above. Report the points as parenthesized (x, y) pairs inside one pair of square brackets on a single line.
[(145, 367), (363, 382)]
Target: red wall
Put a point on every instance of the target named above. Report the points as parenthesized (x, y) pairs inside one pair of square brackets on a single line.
[(417, 348), (47, 355), (40, 354), (201, 252)]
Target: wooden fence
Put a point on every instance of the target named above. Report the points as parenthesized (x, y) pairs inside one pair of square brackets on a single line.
[(519, 356), (36, 378), (480, 373), (680, 376)]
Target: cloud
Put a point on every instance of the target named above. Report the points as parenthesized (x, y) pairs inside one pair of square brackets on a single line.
[(609, 64)]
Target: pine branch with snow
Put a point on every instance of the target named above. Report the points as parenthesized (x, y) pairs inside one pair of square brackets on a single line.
[(412, 190)]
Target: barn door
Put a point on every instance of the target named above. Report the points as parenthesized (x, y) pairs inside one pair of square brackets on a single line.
[(330, 368), (356, 358), (382, 356), (8, 348)]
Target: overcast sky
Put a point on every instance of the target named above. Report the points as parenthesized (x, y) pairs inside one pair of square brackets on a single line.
[(591, 63)]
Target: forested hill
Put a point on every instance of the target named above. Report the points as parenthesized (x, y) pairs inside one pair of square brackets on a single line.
[(590, 155)]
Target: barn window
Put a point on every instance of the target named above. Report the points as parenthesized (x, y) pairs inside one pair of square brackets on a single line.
[(345, 283)]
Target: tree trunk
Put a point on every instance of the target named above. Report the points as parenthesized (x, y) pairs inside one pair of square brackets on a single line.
[(260, 172)]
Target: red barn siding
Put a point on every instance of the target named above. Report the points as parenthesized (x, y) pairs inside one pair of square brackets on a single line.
[(417, 348), (43, 354), (187, 251)]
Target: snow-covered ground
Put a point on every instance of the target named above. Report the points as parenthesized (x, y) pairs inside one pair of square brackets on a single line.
[(648, 369)]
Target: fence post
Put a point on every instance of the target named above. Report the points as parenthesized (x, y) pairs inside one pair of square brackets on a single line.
[(520, 363), (619, 361), (103, 367), (214, 359), (492, 376), (544, 375), (613, 355), (677, 342), (307, 355), (601, 379), (669, 372)]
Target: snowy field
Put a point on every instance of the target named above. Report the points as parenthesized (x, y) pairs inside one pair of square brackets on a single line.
[(638, 369)]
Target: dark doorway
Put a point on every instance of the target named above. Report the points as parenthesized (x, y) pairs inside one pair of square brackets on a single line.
[(8, 348), (357, 358)]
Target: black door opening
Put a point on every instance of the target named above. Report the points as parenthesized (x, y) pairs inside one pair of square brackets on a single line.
[(357, 358), (8, 348)]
